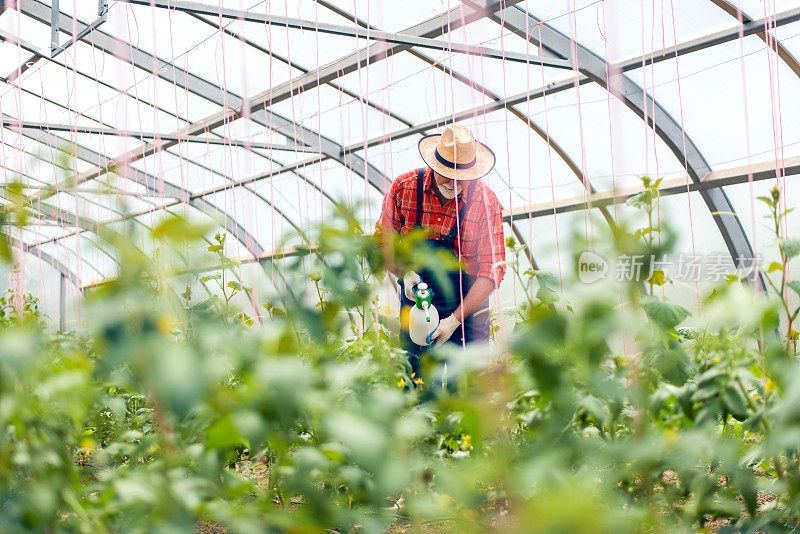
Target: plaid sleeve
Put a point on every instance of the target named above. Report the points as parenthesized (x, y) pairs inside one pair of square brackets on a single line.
[(488, 246), (391, 214)]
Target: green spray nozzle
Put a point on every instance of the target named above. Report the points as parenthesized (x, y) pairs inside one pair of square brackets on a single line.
[(424, 295)]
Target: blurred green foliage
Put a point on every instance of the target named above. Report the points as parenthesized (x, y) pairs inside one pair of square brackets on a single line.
[(145, 419)]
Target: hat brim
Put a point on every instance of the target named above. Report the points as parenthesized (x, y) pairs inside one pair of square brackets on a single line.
[(484, 160)]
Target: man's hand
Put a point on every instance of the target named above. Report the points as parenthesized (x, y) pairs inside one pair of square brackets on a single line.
[(447, 326), (409, 281)]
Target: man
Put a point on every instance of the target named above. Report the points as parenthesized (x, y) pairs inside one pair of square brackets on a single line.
[(462, 216)]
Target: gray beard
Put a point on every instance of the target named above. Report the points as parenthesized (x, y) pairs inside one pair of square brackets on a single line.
[(449, 194)]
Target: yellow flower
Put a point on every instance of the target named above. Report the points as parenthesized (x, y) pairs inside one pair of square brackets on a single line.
[(770, 386), (401, 383), (466, 442), (417, 381)]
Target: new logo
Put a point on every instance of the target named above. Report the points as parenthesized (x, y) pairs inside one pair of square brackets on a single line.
[(591, 267)]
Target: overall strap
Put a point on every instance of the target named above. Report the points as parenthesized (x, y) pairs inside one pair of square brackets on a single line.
[(462, 212), (420, 177)]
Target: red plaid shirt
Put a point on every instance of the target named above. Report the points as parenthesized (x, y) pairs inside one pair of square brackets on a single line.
[(482, 241)]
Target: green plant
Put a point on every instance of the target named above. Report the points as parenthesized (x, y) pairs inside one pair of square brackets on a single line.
[(586, 419)]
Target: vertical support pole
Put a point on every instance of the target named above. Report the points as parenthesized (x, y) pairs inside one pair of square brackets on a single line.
[(62, 304), (54, 12)]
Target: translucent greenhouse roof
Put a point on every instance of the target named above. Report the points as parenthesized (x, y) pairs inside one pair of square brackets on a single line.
[(258, 113)]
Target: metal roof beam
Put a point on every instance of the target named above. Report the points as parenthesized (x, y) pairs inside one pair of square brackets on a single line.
[(463, 79), (673, 186), (51, 127), (351, 31), (55, 48), (295, 65), (770, 40), (748, 28)]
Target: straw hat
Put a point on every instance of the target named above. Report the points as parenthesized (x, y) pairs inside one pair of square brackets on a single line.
[(455, 154)]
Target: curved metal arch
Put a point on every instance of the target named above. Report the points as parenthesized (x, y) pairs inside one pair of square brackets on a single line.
[(61, 218), (225, 186), (39, 11), (226, 99), (143, 178), (38, 134), (51, 260), (150, 182), (593, 66), (215, 94), (434, 26)]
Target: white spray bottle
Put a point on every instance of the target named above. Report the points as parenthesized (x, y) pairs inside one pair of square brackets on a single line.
[(423, 319)]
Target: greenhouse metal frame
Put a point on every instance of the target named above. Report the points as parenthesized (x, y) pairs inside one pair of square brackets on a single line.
[(552, 49)]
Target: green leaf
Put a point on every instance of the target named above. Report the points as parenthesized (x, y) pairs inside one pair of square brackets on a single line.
[(664, 313), (210, 301), (245, 319), (179, 229), (735, 402), (710, 376), (672, 364), (767, 201), (790, 247), (233, 284), (206, 278), (223, 434), (215, 248), (795, 285), (547, 295), (774, 266)]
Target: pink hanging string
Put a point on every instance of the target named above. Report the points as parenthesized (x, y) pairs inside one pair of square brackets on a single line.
[(685, 162), (746, 117), (773, 62)]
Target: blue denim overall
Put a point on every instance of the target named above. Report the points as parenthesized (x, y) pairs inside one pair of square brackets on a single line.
[(446, 302)]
